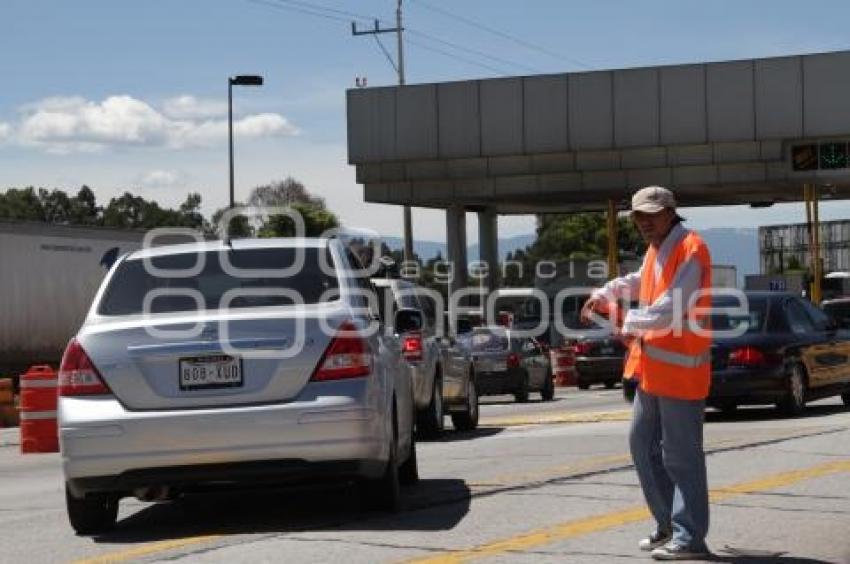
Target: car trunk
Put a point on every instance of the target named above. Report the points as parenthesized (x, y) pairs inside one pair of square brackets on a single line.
[(236, 359)]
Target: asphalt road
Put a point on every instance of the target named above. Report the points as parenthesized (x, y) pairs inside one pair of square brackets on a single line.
[(539, 482)]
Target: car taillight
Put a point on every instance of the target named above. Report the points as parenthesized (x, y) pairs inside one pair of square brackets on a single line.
[(513, 360), (583, 348), (750, 357), (347, 356), (411, 346), (78, 375)]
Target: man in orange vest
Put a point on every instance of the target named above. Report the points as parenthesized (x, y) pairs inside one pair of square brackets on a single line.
[(669, 354)]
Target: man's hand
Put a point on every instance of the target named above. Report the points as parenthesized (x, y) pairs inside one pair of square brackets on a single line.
[(593, 304)]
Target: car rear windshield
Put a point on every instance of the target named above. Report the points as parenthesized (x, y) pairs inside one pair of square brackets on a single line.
[(132, 282), (752, 317), (486, 340)]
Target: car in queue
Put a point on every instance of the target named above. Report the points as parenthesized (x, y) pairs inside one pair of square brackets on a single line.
[(443, 382), (789, 352), (507, 363), (203, 364), (599, 355), (839, 310)]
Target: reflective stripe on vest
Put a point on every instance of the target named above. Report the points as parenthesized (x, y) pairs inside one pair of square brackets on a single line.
[(679, 359)]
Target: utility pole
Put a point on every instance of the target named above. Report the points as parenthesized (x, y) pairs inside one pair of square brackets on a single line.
[(399, 67)]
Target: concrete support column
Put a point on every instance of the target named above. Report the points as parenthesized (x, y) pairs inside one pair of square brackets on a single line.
[(488, 240), (456, 244)]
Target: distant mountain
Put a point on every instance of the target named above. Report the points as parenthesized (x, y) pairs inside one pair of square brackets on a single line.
[(729, 246), (429, 249), (734, 246)]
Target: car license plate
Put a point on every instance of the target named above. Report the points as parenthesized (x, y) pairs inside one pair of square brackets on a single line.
[(606, 350), (205, 372), (499, 366)]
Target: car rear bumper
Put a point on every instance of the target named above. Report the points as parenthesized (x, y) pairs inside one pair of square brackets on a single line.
[(599, 370), (496, 383), (100, 439), (747, 386)]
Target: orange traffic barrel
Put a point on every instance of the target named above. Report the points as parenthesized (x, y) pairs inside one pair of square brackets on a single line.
[(39, 429), (564, 366)]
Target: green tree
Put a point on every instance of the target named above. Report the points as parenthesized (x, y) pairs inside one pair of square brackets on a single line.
[(317, 220), (578, 236), (84, 209), (21, 204)]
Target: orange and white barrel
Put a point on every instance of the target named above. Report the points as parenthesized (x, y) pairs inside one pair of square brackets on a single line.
[(39, 428)]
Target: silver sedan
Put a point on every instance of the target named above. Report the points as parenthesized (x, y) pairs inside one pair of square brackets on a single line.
[(211, 363)]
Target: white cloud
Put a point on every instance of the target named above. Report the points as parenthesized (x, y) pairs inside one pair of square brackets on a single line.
[(189, 107), (5, 130), (72, 124), (162, 179)]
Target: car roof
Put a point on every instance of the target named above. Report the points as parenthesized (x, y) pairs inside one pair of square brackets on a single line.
[(235, 244)]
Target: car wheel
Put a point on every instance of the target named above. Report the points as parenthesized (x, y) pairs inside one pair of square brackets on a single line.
[(548, 391), (467, 420), (795, 400), (384, 493), (92, 514), (609, 384), (845, 397), (521, 395), (582, 385), (408, 473), (629, 390), (431, 421)]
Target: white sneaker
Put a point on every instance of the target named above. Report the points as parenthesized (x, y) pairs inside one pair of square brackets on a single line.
[(655, 539), (674, 551)]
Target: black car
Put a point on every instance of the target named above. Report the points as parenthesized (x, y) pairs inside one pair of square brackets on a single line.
[(506, 363), (790, 352)]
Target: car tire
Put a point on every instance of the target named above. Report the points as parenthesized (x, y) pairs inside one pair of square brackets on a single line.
[(582, 385), (467, 420), (795, 400), (629, 390), (384, 493), (609, 384), (521, 395), (92, 514), (431, 421), (408, 473), (845, 397), (548, 391)]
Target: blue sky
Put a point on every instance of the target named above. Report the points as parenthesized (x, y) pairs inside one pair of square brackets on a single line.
[(132, 95)]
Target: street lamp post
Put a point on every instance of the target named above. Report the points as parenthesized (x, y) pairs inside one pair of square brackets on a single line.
[(240, 80)]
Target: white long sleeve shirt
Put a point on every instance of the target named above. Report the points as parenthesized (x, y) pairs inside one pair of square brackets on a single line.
[(662, 313)]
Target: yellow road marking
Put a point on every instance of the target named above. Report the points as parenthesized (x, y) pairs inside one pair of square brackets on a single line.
[(146, 550), (596, 523), (548, 473), (546, 418)]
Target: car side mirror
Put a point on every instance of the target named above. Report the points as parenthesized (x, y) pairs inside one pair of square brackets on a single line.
[(407, 320)]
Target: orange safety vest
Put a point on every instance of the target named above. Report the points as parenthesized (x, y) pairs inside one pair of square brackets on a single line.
[(674, 363)]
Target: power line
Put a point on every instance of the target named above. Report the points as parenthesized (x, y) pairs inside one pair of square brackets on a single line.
[(329, 13), (500, 33), (323, 8), (456, 57), (470, 50), (386, 53), (278, 6)]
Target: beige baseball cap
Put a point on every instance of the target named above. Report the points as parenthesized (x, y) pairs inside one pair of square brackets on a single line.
[(653, 199)]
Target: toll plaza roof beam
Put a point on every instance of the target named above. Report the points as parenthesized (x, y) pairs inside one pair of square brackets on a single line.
[(717, 127)]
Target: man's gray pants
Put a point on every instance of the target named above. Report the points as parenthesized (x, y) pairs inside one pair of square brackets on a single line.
[(666, 444)]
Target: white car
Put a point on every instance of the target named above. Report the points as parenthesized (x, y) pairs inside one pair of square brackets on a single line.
[(210, 363)]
